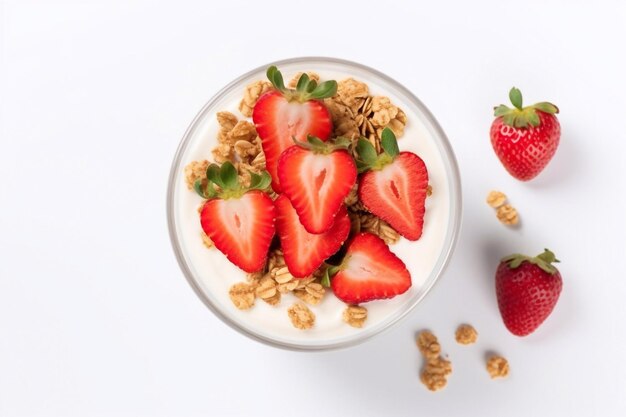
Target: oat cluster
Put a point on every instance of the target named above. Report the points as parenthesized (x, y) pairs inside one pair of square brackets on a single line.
[(301, 316), (498, 367), (355, 315), (434, 374), (506, 213), (466, 334)]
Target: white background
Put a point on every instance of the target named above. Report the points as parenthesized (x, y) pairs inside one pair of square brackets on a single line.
[(95, 315)]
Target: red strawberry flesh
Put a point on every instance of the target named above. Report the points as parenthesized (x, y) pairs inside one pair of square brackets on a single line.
[(370, 271), (279, 120), (316, 184), (305, 252), (397, 194), (241, 228)]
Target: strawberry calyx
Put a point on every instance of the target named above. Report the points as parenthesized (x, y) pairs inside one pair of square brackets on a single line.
[(329, 271), (543, 260), (368, 158), (306, 88), (318, 146), (520, 116), (226, 179)]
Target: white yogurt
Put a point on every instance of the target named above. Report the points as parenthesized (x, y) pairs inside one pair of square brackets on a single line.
[(214, 274)]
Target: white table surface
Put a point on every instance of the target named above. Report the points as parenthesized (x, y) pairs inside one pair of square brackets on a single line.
[(95, 315)]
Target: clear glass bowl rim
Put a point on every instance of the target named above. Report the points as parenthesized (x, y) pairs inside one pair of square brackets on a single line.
[(451, 237)]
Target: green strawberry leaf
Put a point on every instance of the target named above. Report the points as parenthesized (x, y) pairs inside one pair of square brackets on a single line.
[(546, 107), (213, 174), (533, 117), (389, 143), (315, 141), (276, 78), (501, 110), (260, 182), (303, 83), (312, 86), (204, 192), (325, 279), (515, 95), (367, 152), (324, 90), (229, 176)]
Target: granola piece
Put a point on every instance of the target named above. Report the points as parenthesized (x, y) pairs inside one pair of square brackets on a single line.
[(396, 124), (250, 96), (312, 76), (498, 367), (496, 198), (375, 225), (429, 190), (275, 259), (267, 290), (428, 345), (195, 170), (343, 118), (383, 111), (254, 277), (206, 240), (436, 370), (242, 295), (355, 315), (303, 282), (466, 334), (226, 120), (223, 152), (434, 374), (245, 149), (507, 214), (312, 293), (243, 130), (258, 163), (352, 197), (284, 280), (352, 93), (301, 317)]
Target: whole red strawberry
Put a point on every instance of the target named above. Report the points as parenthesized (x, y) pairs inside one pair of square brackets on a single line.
[(525, 138), (282, 114), (527, 290)]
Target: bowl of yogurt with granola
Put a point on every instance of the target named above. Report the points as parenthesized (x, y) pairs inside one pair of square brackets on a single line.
[(313, 203)]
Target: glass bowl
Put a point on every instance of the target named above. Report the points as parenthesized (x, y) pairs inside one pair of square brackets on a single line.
[(210, 274)]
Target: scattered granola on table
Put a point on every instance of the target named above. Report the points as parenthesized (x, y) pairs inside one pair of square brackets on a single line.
[(466, 334), (498, 367), (496, 198), (434, 374), (507, 214)]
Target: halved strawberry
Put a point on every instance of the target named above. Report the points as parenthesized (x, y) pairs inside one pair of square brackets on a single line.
[(305, 252), (282, 114), (239, 220), (394, 187), (369, 271), (317, 176)]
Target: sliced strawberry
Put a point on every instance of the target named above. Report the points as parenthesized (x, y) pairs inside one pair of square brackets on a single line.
[(370, 271), (239, 221), (394, 188), (304, 252), (317, 177), (280, 115)]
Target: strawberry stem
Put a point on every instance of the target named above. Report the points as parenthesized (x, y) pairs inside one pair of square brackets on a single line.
[(522, 117), (316, 145), (543, 260), (227, 179), (306, 89)]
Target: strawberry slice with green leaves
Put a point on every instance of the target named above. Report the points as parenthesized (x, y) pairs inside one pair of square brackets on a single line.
[(239, 220), (282, 114), (369, 271), (317, 176), (394, 185), (305, 252)]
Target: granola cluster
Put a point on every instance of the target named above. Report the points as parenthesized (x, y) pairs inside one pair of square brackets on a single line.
[(466, 334), (435, 372), (498, 367), (506, 213), (355, 315)]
